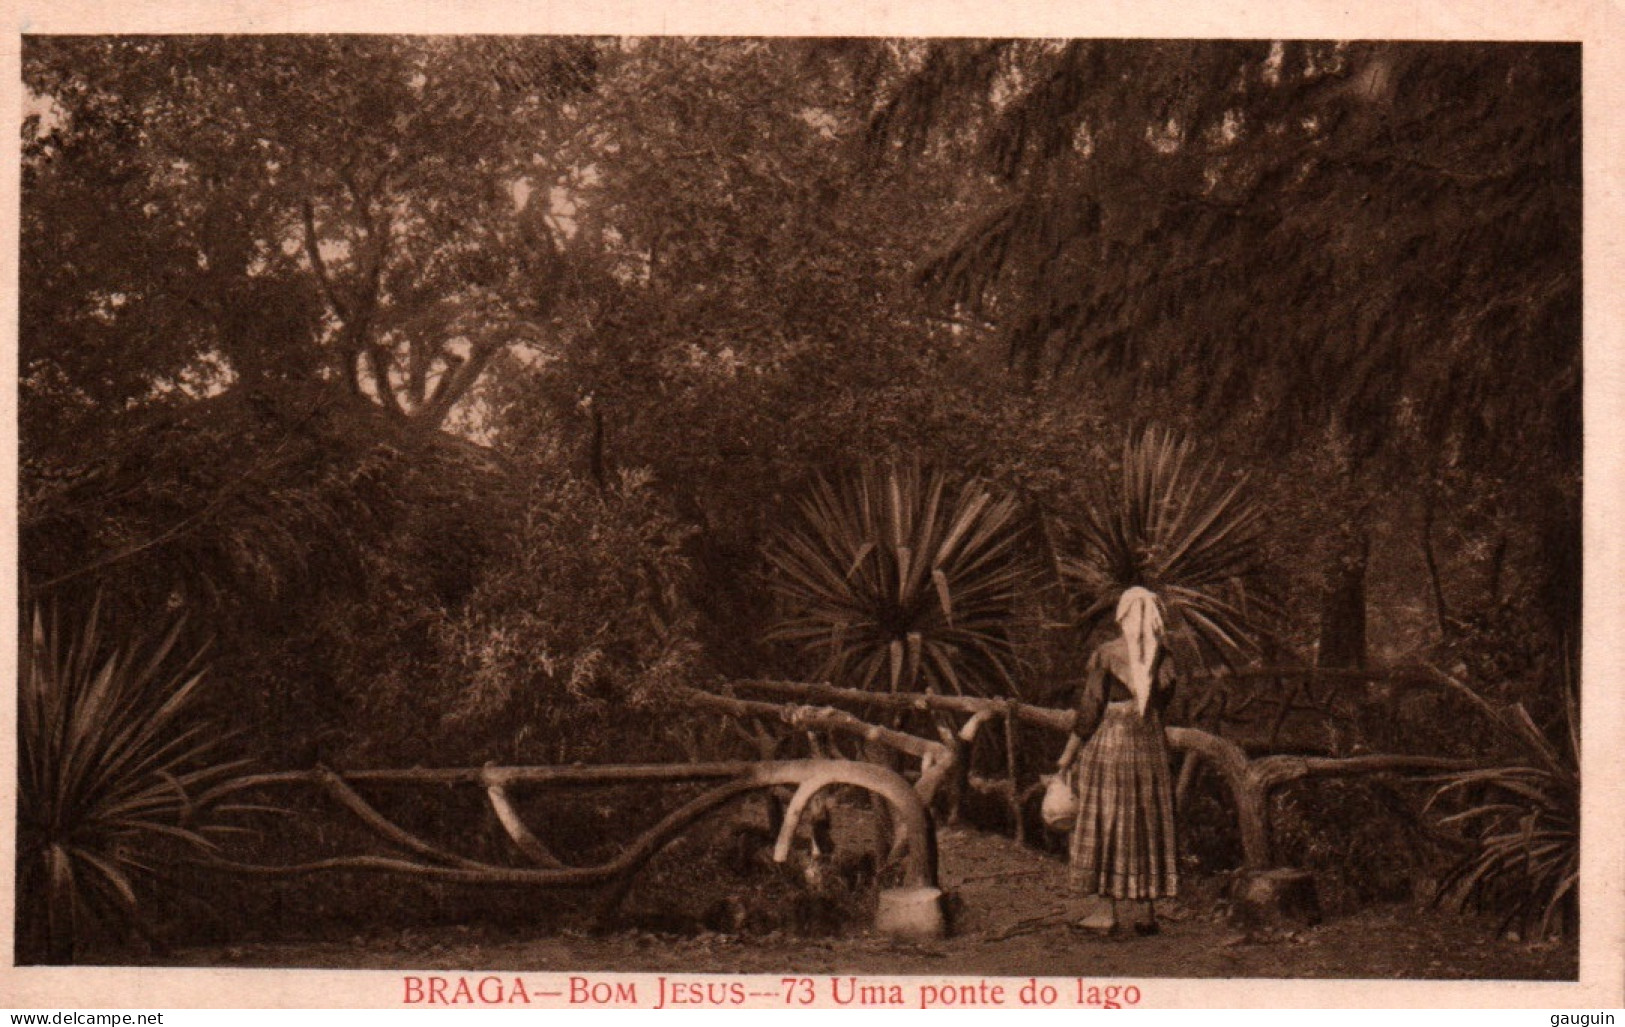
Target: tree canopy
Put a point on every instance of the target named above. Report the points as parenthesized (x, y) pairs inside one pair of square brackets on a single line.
[(437, 330), (1379, 238), (286, 207)]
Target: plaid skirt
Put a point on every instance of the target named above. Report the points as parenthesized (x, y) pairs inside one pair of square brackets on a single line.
[(1123, 843)]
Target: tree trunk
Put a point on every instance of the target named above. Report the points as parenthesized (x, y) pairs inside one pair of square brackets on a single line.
[(1342, 608), (1441, 611)]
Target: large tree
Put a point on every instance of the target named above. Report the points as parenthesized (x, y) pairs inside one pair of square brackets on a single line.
[(219, 234), (258, 275), (739, 314), (248, 208), (1373, 248)]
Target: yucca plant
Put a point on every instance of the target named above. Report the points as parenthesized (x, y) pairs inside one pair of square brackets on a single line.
[(113, 764), (894, 579), (1524, 816), (1181, 526)]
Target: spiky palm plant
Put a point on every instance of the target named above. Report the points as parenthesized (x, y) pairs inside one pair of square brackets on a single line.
[(1181, 526), (112, 763), (895, 580), (1524, 816)]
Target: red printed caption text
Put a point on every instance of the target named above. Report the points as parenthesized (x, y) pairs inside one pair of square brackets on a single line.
[(662, 992)]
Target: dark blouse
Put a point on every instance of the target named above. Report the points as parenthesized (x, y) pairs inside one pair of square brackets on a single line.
[(1105, 681)]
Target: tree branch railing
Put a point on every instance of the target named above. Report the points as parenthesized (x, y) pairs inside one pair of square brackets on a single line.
[(1295, 692), (1249, 781), (912, 848), (943, 762), (936, 759)]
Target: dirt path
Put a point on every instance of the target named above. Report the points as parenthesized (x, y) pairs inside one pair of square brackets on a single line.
[(1012, 921)]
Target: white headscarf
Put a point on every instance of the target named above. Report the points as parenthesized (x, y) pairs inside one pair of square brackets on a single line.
[(1139, 614)]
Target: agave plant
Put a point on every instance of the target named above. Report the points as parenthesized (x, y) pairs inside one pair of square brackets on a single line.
[(894, 580), (1524, 816), (112, 764), (1180, 526)]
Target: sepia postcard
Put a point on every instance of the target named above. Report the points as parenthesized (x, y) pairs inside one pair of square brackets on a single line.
[(844, 506)]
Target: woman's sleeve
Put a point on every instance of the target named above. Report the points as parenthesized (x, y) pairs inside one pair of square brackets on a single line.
[(1091, 705), (1162, 691)]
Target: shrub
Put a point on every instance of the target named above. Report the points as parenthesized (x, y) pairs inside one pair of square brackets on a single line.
[(1180, 526), (581, 620), (1356, 836), (1524, 816), (114, 771), (894, 580), (318, 540)]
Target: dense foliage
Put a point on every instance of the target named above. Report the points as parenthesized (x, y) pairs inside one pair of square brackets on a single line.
[(895, 582), (285, 207), (1372, 244), (1524, 815), (460, 387), (115, 771), (580, 618), (1176, 525)]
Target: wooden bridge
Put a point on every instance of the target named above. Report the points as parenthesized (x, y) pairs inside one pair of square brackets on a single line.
[(936, 772)]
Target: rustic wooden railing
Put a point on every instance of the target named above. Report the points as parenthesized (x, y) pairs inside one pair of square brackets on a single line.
[(1275, 693), (813, 709), (1249, 781), (912, 850)]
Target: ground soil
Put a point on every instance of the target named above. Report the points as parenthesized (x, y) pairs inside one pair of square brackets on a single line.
[(1012, 918)]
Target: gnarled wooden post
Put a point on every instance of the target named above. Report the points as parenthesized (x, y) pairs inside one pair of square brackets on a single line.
[(1252, 811), (913, 844), (1249, 782)]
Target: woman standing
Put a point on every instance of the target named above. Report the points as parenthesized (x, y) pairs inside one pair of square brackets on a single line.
[(1123, 843)]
